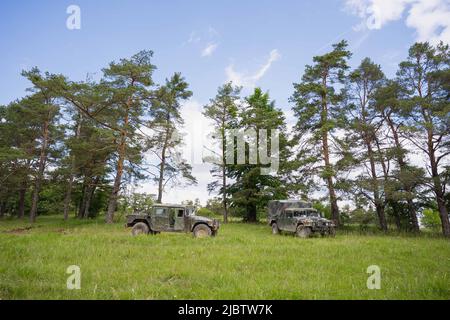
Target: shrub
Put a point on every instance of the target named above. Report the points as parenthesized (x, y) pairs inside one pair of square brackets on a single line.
[(205, 212), (430, 219)]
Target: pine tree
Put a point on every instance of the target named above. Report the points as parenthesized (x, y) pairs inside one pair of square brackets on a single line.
[(72, 163), (363, 82), (252, 190), (222, 110), (19, 131), (425, 100), (318, 110), (129, 82), (404, 181), (166, 122), (42, 106)]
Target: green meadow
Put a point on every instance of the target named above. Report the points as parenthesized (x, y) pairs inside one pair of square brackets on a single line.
[(243, 262)]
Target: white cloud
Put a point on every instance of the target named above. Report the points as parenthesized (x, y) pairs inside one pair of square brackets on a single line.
[(249, 80), (430, 18), (193, 37), (209, 49), (208, 39), (212, 32)]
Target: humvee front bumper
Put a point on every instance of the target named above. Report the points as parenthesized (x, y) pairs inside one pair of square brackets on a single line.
[(215, 225), (322, 228)]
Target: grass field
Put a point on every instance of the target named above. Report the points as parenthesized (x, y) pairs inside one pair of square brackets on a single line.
[(242, 262)]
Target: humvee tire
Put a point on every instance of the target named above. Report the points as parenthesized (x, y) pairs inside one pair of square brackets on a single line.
[(275, 229), (140, 228), (332, 232), (202, 231), (303, 232)]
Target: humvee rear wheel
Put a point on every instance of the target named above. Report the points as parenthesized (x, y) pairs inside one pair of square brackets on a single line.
[(303, 232), (275, 229), (202, 231), (140, 228)]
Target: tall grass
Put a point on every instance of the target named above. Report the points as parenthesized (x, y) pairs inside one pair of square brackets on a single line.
[(243, 262)]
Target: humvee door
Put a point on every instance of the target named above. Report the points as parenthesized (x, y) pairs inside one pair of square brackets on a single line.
[(160, 219), (281, 221), (286, 221), (178, 219), (291, 224)]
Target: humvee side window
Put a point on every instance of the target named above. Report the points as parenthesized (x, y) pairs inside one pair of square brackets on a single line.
[(180, 213), (288, 214), (160, 211), (312, 213)]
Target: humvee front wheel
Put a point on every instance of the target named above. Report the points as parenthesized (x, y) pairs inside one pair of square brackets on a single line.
[(303, 232), (202, 231), (140, 228), (332, 232), (275, 229)]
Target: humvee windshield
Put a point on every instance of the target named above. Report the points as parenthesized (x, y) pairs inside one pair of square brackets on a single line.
[(190, 211), (308, 213)]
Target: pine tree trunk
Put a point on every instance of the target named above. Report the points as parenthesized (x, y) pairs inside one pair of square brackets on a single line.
[(443, 214), (22, 193), (437, 186), (251, 213), (112, 205), (379, 204), (40, 173), (87, 205), (161, 175), (397, 219), (224, 195), (326, 157), (381, 216), (68, 197), (117, 181), (333, 200), (162, 167), (412, 214), (368, 138), (387, 193), (2, 209), (90, 195), (84, 192), (402, 164), (224, 176)]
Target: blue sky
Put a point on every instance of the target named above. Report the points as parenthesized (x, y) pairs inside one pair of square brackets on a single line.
[(35, 33), (263, 43)]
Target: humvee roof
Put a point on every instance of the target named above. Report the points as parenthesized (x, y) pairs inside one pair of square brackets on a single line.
[(300, 209), (276, 206), (169, 205)]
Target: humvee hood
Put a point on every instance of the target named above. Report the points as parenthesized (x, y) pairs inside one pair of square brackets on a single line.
[(201, 219)]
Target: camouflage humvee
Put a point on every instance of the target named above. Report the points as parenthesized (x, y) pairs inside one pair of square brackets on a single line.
[(172, 218), (297, 217)]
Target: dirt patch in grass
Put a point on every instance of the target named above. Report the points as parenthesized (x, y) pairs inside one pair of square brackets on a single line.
[(62, 231), (19, 230)]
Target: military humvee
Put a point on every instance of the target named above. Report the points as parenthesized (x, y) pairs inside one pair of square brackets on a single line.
[(298, 217), (172, 218)]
